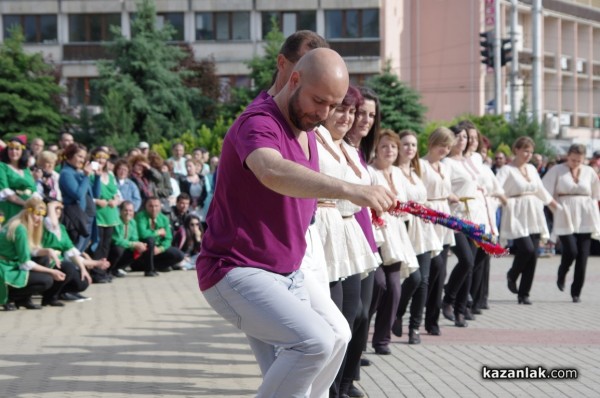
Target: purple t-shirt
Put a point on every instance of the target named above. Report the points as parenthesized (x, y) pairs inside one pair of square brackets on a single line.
[(250, 225)]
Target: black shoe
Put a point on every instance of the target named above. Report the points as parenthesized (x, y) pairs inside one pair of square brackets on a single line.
[(413, 336), (365, 362), (99, 280), (448, 311), (75, 297), (28, 304), (475, 311), (560, 282), (9, 307), (460, 321), (52, 302), (576, 299), (434, 330), (469, 315), (524, 300), (397, 327), (512, 284), (151, 273), (484, 306), (383, 350), (354, 392)]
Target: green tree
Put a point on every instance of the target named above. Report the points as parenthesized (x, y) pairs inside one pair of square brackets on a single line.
[(29, 92), (400, 105), (144, 74)]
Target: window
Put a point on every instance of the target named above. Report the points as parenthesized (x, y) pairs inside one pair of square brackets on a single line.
[(352, 24), (176, 21), (35, 28), (223, 26), (289, 21), (81, 92), (92, 27)]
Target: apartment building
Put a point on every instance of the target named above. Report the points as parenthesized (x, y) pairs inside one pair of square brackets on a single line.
[(433, 45)]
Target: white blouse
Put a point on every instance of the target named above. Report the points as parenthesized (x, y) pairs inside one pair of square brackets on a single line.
[(524, 213), (465, 185), (438, 189), (421, 233), (579, 200), (393, 241)]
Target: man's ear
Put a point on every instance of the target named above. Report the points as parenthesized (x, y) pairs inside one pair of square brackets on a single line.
[(294, 80), (280, 61)]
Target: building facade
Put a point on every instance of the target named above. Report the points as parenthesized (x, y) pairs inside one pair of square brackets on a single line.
[(433, 45)]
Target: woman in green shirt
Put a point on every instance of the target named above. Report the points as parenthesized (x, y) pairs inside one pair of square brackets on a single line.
[(107, 212), (20, 276), (16, 182)]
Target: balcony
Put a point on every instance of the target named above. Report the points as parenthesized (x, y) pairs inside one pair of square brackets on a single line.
[(85, 52)]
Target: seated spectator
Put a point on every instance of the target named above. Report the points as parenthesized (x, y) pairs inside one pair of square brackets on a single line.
[(144, 148), (194, 185), (46, 161), (129, 191), (72, 263), (154, 229), (36, 147), (179, 211), (188, 239), (175, 191), (16, 182), (126, 245), (20, 276)]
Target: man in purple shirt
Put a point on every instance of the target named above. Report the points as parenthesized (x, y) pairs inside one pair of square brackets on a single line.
[(249, 266)]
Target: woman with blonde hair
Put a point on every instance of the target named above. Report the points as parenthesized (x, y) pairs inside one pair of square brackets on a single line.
[(437, 179), (20, 276)]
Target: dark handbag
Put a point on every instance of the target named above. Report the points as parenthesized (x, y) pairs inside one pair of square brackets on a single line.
[(75, 221)]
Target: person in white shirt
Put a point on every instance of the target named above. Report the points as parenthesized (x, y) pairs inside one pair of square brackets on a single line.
[(576, 187)]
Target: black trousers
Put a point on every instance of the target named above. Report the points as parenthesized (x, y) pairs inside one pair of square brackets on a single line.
[(346, 296), (415, 287), (478, 282), (575, 247), (75, 284), (386, 298), (360, 332), (459, 283), (37, 283), (437, 277), (525, 261), (149, 261)]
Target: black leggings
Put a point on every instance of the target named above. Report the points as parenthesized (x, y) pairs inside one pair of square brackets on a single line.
[(437, 277), (415, 287), (480, 277), (459, 284), (575, 247), (386, 297), (526, 255)]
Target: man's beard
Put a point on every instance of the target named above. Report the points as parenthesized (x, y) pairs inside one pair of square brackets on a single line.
[(294, 113)]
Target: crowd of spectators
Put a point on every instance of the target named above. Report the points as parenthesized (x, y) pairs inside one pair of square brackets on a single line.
[(70, 216)]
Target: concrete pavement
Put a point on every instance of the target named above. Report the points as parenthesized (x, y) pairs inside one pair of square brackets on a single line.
[(157, 337)]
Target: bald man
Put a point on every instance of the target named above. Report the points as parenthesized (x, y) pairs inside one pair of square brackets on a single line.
[(248, 270)]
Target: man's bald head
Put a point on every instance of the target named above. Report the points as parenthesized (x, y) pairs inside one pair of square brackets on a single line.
[(317, 85), (323, 66)]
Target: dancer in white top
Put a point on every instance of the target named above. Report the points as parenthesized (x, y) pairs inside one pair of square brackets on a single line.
[(422, 237), (576, 187), (357, 256), (523, 218), (399, 258), (359, 142), (471, 206), (436, 177), (493, 196)]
